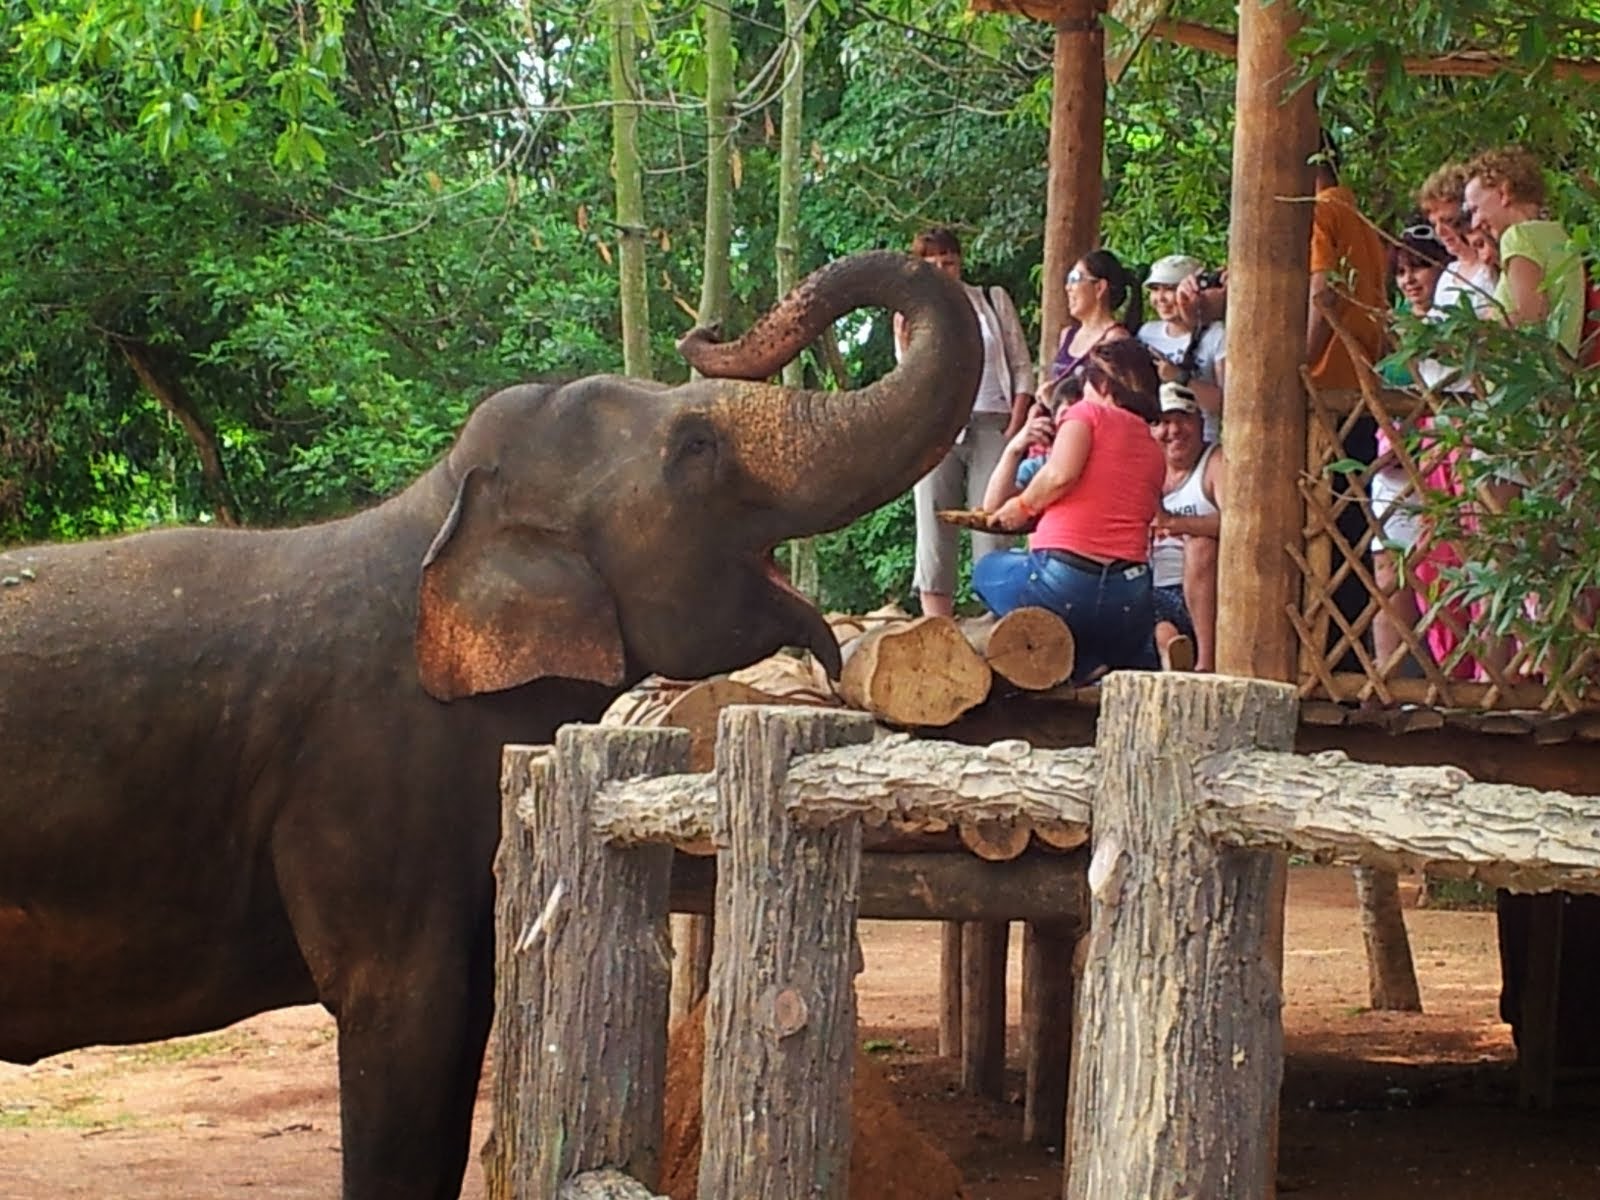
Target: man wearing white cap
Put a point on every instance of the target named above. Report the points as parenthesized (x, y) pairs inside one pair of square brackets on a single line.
[(1191, 355), (1183, 552)]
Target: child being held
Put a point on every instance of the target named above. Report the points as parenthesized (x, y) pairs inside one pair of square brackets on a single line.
[(1067, 391)]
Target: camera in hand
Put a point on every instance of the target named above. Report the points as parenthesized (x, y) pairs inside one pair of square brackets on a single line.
[(1206, 280)]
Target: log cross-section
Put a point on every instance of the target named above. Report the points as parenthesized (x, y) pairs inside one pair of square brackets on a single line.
[(781, 1010)]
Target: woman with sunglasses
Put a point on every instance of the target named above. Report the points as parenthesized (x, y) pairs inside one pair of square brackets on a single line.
[(1417, 263), (1090, 506), (1097, 286)]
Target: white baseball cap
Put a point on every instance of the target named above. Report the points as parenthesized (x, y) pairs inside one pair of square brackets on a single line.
[(1177, 398), (1172, 270)]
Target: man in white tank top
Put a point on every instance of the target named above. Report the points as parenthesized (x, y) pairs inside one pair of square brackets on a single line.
[(1183, 550)]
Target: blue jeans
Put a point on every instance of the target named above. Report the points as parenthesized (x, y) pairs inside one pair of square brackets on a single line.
[(1110, 612)]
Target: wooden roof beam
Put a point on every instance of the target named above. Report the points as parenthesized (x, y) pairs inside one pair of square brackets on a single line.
[(1466, 63)]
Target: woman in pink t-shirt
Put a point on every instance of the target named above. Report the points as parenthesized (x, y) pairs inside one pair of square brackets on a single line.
[(1090, 506)]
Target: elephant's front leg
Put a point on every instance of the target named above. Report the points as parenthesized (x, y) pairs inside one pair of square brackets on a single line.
[(411, 1050), (399, 937)]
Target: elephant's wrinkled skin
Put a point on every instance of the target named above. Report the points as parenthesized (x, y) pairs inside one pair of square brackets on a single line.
[(240, 770)]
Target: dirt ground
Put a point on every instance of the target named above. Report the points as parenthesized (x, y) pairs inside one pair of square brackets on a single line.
[(1375, 1106)]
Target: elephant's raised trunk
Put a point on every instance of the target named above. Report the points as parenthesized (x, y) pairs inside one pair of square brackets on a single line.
[(827, 457)]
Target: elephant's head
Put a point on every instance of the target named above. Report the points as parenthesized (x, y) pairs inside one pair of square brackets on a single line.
[(610, 528)]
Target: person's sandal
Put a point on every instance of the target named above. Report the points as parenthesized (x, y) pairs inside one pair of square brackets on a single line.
[(1178, 654)]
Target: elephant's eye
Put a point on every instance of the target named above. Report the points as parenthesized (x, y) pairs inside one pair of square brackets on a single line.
[(693, 448)]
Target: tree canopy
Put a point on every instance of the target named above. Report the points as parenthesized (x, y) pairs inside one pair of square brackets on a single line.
[(263, 257)]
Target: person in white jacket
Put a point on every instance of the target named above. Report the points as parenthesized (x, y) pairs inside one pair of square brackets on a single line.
[(1000, 409)]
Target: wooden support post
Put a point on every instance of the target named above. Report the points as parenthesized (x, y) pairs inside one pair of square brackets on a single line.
[(1538, 1039), (1269, 257), (1179, 1050), (523, 771), (692, 935), (1391, 975), (983, 1008), (950, 989), (1269, 252), (1077, 147), (590, 945), (1048, 949), (781, 1012)]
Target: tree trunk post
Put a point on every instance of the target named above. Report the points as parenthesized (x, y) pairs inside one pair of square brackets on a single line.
[(1269, 257), (983, 1008), (950, 989), (589, 963), (1077, 146), (1391, 976), (523, 771), (1269, 254), (1179, 1049), (1047, 953), (781, 1012)]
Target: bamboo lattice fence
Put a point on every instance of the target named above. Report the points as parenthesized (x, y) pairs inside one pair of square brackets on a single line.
[(1341, 598)]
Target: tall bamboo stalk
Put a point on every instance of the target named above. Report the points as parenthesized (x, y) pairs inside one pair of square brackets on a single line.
[(633, 295), (802, 551), (714, 280)]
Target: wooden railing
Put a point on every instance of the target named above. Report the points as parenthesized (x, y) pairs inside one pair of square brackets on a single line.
[(1192, 794)]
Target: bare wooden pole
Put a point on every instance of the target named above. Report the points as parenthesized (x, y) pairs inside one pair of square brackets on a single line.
[(1179, 1050), (593, 975), (1077, 145), (781, 1012), (1269, 243), (691, 961), (983, 1008), (950, 989), (1391, 975), (1048, 949)]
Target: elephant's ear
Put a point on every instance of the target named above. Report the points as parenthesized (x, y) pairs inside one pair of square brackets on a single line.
[(501, 606)]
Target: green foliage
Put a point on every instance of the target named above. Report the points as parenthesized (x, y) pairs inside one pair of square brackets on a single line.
[(1530, 569), (330, 227)]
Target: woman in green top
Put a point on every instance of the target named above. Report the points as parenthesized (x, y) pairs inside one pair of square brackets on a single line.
[(1541, 273)]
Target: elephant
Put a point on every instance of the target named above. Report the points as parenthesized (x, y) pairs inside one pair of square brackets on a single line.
[(246, 769)]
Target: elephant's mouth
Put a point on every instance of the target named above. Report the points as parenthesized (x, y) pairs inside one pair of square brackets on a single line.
[(814, 633)]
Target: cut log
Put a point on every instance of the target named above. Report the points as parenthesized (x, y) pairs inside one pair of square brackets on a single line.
[(559, 1110), (788, 680), (697, 709), (919, 673), (1029, 647), (1391, 977), (781, 1013), (1163, 1101), (995, 841)]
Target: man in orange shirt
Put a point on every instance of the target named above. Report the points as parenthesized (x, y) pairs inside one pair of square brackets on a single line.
[(1349, 273)]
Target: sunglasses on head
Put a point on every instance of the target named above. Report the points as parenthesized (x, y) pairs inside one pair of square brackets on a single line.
[(1420, 233)]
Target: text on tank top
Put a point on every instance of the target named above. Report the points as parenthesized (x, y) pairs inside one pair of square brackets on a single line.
[(1188, 499)]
